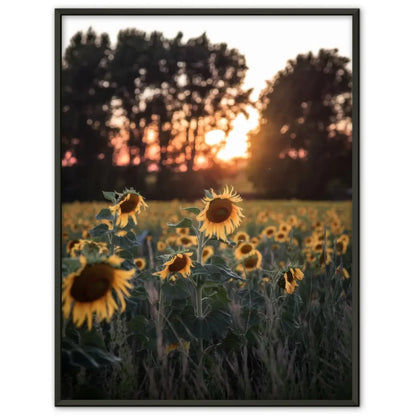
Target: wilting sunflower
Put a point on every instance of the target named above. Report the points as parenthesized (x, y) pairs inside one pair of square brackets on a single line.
[(251, 262), (140, 262), (290, 278), (344, 273), (207, 252), (90, 289), (161, 246), (187, 241), (243, 250), (129, 204), (180, 263), (220, 215), (269, 231)]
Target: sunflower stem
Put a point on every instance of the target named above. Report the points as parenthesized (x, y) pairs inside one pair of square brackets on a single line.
[(198, 291)]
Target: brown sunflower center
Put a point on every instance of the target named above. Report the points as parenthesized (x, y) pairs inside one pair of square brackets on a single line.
[(219, 210), (270, 231), (250, 262), (139, 263), (178, 264), (130, 204), (289, 276), (185, 240), (241, 237), (205, 252), (340, 246), (280, 235), (93, 282), (246, 248)]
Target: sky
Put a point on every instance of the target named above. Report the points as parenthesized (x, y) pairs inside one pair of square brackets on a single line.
[(267, 42)]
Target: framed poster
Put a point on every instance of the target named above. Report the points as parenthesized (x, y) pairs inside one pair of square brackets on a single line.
[(207, 196)]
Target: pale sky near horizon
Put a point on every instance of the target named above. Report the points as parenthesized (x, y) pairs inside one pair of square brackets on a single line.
[(267, 42)]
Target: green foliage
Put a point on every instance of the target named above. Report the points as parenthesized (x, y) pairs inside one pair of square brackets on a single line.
[(301, 138), (184, 223)]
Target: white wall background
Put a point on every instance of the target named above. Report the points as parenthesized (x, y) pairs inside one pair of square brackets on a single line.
[(387, 200)]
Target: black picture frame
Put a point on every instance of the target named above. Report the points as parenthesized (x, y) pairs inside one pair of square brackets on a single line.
[(355, 14)]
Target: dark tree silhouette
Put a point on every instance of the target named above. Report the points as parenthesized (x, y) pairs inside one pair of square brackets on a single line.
[(86, 103), (303, 145), (210, 78)]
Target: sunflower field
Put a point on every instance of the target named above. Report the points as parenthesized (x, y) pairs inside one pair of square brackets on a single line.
[(220, 299)]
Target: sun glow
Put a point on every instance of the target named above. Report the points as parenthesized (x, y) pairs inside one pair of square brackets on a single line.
[(235, 145)]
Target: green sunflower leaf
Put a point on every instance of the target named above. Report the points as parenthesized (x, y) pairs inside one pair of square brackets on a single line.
[(194, 210), (184, 223), (99, 230), (110, 196), (105, 214)]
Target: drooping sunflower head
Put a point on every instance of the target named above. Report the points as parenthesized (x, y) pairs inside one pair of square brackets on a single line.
[(290, 278), (90, 289), (220, 215), (207, 252), (343, 272), (129, 204), (180, 263), (250, 262), (140, 263)]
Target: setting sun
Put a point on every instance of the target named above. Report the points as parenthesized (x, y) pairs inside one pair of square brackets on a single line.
[(235, 144)]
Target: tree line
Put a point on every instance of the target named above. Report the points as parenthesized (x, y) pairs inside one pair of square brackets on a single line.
[(179, 90)]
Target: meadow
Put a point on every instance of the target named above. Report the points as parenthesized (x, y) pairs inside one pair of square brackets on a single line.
[(219, 299)]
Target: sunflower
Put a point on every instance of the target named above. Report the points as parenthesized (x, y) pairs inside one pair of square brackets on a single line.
[(70, 245), (180, 263), (281, 236), (140, 262), (241, 236), (161, 246), (182, 346), (220, 215), (251, 262), (344, 273), (207, 252), (269, 231), (293, 220), (285, 227), (129, 204), (341, 246), (254, 241), (90, 289), (187, 241), (243, 250), (309, 256), (290, 279), (309, 241), (182, 231)]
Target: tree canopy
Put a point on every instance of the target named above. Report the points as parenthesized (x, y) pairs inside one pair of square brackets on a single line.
[(303, 145)]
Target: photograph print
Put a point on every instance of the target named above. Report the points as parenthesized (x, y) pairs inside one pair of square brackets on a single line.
[(207, 207)]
